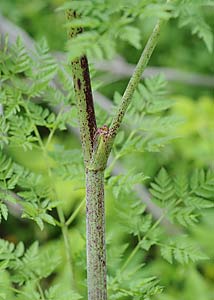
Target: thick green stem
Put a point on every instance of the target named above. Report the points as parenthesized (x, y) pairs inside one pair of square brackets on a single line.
[(95, 210), (95, 221), (96, 152)]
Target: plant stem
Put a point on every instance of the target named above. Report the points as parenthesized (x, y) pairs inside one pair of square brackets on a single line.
[(137, 247), (75, 213), (95, 210), (96, 158), (84, 97), (132, 254), (60, 213), (64, 227), (95, 221), (135, 79), (50, 136), (104, 148), (67, 245), (40, 291)]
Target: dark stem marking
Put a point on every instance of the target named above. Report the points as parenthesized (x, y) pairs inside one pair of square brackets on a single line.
[(89, 98), (95, 210), (97, 145), (83, 92)]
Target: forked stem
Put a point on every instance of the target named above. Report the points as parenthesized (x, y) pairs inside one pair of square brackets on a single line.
[(96, 154)]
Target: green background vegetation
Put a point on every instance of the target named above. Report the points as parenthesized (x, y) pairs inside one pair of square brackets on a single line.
[(194, 147)]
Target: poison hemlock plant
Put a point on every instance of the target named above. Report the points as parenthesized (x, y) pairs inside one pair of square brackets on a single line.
[(32, 86)]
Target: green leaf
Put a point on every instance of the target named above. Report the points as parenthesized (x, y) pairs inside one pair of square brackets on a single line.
[(3, 264), (21, 58), (4, 210), (19, 249), (163, 190), (191, 15), (185, 216), (39, 222), (198, 202), (48, 218), (132, 35), (181, 250)]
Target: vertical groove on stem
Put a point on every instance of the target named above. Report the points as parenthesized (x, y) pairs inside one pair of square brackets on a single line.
[(95, 222)]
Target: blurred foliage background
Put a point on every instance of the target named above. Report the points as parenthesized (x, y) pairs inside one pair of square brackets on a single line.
[(194, 148)]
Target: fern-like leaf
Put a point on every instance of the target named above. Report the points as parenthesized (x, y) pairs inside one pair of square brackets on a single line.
[(163, 189), (182, 251)]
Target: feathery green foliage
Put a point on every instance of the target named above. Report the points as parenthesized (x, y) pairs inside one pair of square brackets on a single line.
[(33, 87), (185, 198), (22, 94), (106, 23)]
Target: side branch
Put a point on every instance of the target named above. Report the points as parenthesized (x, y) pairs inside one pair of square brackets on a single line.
[(135, 79), (100, 157), (84, 97)]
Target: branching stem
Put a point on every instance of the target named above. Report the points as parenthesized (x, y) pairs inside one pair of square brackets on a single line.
[(96, 154), (135, 79), (100, 157), (95, 210)]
